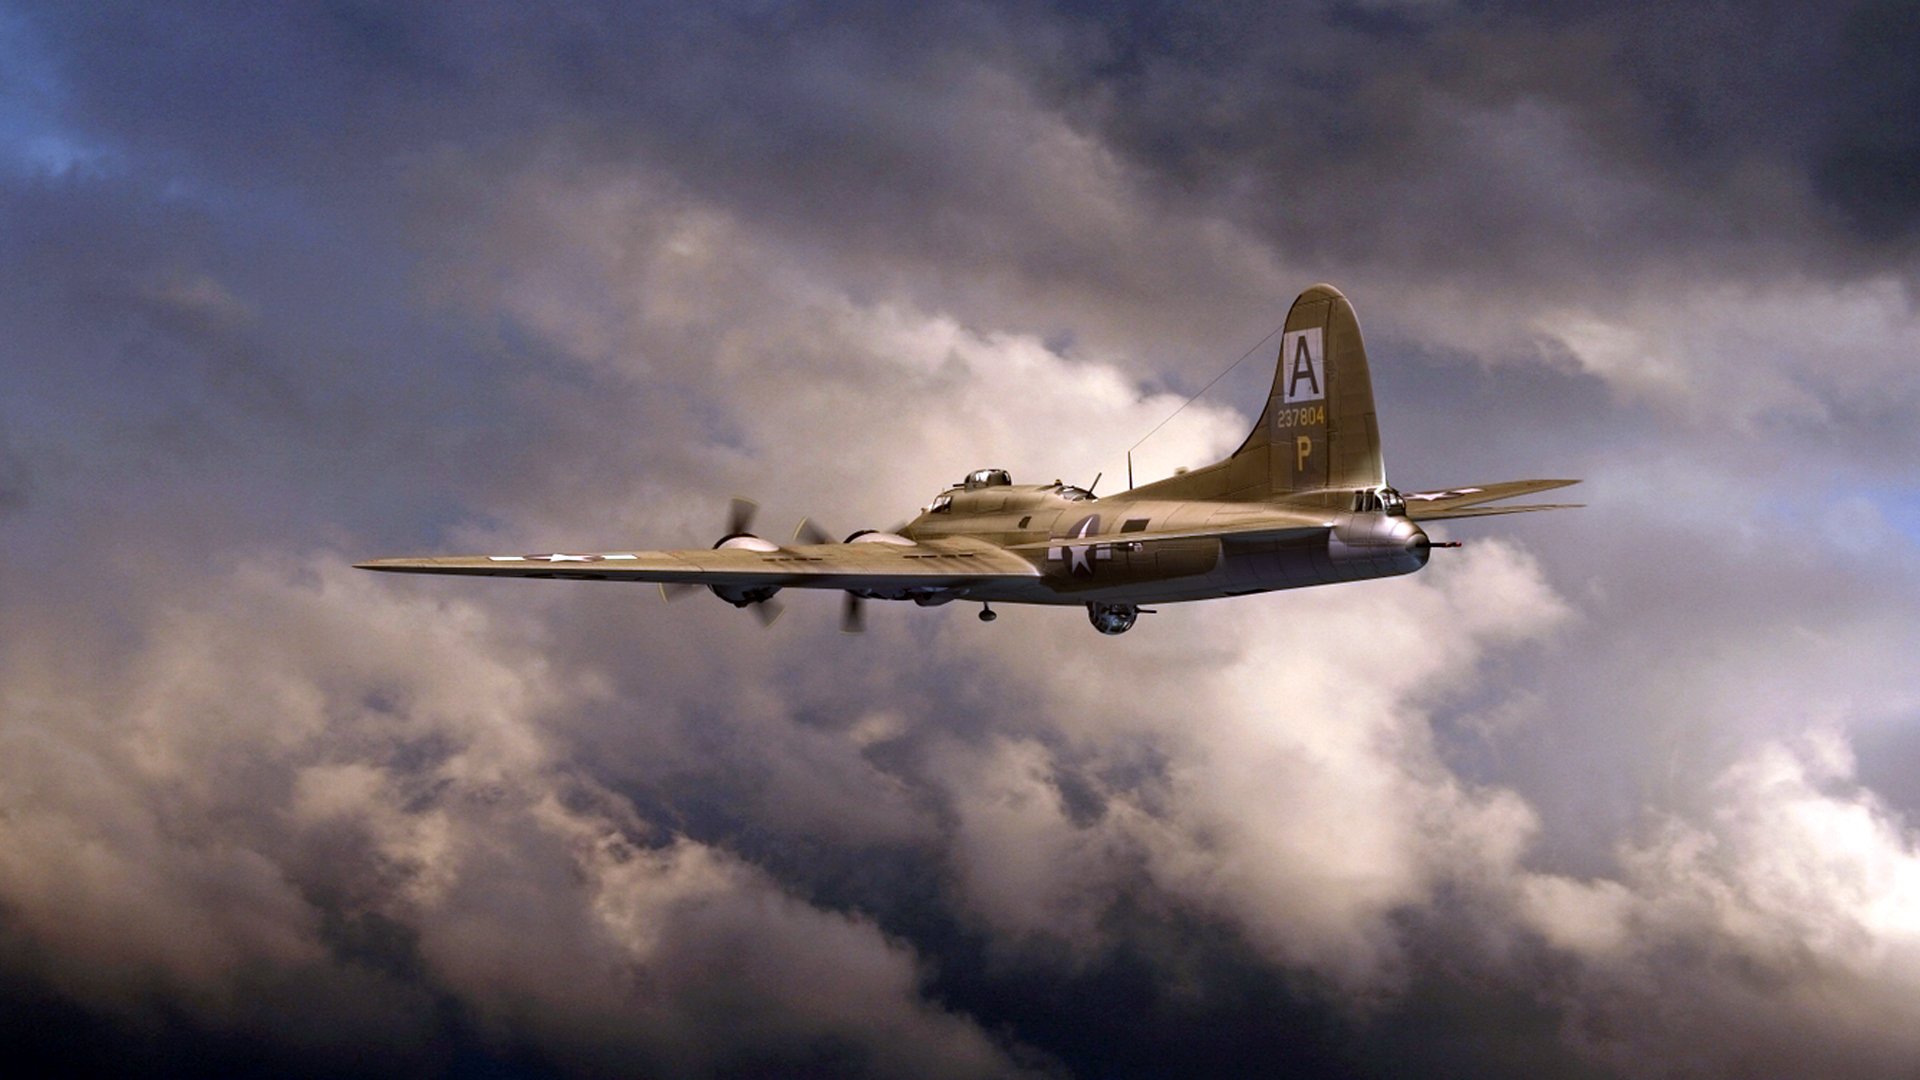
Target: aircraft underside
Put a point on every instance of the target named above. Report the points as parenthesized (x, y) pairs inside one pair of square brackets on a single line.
[(1114, 588)]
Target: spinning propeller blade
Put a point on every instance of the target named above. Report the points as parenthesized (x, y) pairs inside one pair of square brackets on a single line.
[(740, 514), (768, 611)]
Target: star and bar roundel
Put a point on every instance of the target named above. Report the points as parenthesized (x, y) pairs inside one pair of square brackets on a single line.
[(558, 557), (1080, 558)]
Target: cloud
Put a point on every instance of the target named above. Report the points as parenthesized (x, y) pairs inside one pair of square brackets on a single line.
[(1295, 793), (1796, 354), (1866, 148), (16, 477), (337, 282), (293, 759), (1788, 919)]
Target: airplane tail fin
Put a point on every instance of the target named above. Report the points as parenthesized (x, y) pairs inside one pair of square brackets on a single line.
[(1318, 431)]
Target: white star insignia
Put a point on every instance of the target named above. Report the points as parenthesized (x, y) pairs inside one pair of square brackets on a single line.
[(1080, 556)]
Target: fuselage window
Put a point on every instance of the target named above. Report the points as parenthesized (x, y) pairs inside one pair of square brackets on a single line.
[(1134, 525), (1023, 522)]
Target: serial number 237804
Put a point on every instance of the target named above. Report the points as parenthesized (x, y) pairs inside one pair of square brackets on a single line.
[(1300, 416)]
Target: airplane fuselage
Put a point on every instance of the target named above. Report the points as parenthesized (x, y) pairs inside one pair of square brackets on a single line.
[(1079, 545)]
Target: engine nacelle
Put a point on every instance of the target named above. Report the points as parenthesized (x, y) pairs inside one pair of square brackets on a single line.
[(745, 542), (742, 595)]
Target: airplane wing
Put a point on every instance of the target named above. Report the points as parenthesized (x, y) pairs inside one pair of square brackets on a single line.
[(943, 563), (1464, 502)]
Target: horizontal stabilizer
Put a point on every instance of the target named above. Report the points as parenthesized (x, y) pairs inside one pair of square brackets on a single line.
[(1489, 511), (1434, 505)]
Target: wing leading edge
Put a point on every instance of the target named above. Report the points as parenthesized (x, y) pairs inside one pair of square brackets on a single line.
[(949, 562)]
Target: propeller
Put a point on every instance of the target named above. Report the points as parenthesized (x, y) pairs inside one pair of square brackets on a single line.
[(853, 610), (740, 513), (768, 610)]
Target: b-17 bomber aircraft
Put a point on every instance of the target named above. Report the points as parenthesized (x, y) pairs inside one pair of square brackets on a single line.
[(1303, 501)]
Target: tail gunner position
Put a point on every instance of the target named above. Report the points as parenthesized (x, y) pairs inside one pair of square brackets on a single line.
[(1304, 501)]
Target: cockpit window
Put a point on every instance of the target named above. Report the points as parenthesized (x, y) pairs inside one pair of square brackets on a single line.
[(940, 505), (985, 478), (1379, 500), (1073, 494)]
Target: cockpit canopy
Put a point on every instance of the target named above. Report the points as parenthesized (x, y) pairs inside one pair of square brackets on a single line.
[(986, 478), (1383, 500)]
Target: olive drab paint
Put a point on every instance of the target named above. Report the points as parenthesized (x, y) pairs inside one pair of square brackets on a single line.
[(1317, 438), (1303, 501)]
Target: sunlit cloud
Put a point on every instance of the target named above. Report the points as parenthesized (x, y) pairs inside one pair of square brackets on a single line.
[(349, 284)]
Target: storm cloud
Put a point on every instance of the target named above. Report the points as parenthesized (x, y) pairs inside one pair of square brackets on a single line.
[(1621, 791)]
